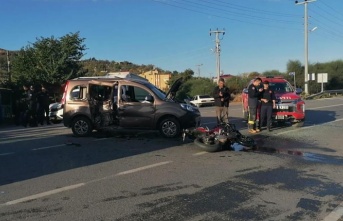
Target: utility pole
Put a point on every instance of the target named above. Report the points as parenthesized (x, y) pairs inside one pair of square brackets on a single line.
[(217, 51), (305, 2), (198, 65)]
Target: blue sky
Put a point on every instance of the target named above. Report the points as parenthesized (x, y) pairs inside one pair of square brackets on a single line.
[(260, 35)]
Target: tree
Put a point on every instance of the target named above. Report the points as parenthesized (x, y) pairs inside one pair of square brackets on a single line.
[(50, 60), (272, 73)]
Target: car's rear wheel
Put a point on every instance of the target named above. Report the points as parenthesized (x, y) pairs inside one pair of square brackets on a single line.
[(169, 127), (81, 126)]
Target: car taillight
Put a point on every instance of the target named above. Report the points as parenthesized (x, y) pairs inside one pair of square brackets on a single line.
[(63, 100)]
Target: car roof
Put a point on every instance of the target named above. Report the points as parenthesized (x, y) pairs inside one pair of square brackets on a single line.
[(273, 79), (107, 79)]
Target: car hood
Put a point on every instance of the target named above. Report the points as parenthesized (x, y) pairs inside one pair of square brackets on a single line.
[(287, 96), (174, 88)]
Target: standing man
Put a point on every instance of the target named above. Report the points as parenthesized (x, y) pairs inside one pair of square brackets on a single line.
[(24, 106), (221, 96), (254, 92), (267, 105), (32, 117), (43, 106)]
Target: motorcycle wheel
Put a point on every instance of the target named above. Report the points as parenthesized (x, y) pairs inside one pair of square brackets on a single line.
[(246, 141), (206, 146)]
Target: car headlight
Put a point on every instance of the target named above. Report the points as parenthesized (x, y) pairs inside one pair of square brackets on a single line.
[(187, 107)]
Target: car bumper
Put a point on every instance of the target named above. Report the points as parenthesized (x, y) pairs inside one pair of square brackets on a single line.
[(55, 115), (190, 120)]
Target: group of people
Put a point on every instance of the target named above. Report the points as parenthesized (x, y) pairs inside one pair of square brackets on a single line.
[(34, 106), (258, 96)]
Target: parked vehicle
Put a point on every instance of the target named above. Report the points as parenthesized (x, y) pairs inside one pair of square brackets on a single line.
[(125, 103), (56, 113), (202, 100), (289, 105)]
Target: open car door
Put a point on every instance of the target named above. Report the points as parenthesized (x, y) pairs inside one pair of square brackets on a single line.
[(101, 104)]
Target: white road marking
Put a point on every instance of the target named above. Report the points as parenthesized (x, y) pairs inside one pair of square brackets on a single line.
[(66, 188), (200, 153), (314, 108), (32, 129), (303, 128), (336, 214), (48, 147), (43, 194), (105, 138), (143, 168), (5, 154)]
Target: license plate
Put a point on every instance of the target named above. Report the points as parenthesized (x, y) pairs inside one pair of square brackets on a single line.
[(281, 107), (279, 117)]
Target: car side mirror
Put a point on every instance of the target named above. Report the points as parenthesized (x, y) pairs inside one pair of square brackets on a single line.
[(298, 90), (245, 90), (149, 98)]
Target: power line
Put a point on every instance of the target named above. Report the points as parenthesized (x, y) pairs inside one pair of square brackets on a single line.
[(210, 6), (331, 8), (328, 28), (223, 17), (326, 18), (244, 8)]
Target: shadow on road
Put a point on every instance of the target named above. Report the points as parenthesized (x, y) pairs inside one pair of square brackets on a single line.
[(41, 151)]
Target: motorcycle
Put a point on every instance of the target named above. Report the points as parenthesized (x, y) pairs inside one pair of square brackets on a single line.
[(222, 136)]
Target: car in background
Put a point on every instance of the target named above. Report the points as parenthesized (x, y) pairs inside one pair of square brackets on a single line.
[(202, 100), (289, 105), (56, 113)]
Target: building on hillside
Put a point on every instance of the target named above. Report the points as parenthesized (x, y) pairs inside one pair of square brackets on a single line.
[(224, 76), (159, 79)]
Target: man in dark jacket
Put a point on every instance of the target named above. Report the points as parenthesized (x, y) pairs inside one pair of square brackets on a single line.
[(221, 96), (31, 116), (43, 106), (267, 105), (254, 92)]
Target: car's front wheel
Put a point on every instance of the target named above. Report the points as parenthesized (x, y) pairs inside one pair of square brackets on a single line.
[(169, 127), (81, 127)]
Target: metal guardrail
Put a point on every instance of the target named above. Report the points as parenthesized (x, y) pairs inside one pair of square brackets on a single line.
[(330, 92)]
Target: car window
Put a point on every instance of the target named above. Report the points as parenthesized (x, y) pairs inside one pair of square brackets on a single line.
[(78, 93), (133, 93), (281, 87), (204, 96), (100, 92)]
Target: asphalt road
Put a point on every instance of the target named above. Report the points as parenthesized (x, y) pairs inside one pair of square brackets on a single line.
[(47, 174)]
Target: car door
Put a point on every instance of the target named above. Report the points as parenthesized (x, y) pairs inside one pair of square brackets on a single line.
[(134, 111), (101, 103)]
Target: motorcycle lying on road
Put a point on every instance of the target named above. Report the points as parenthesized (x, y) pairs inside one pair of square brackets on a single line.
[(222, 136)]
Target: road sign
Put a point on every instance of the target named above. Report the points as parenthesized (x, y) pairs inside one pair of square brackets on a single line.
[(322, 78), (311, 77)]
